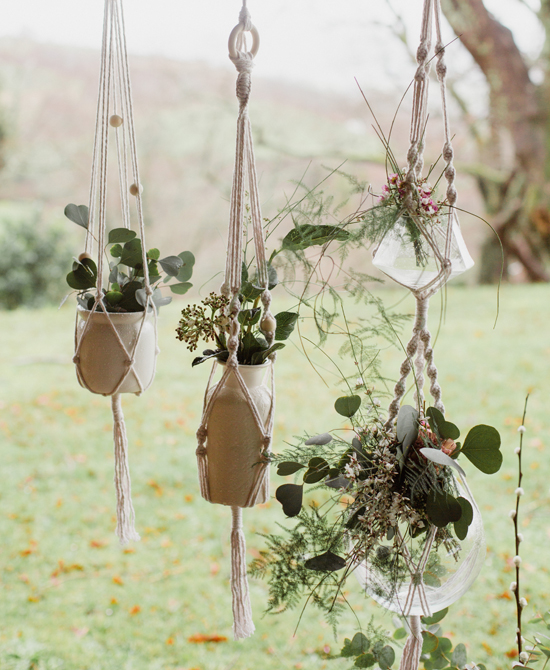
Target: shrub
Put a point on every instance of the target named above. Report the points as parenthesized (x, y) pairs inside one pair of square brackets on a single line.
[(34, 258)]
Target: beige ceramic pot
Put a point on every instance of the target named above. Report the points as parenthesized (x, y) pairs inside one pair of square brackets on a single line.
[(103, 362), (234, 440)]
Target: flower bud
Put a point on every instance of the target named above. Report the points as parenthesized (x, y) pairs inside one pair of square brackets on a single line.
[(517, 451), (516, 561), (521, 429), (524, 657), (513, 586), (519, 492), (523, 602), (512, 514)]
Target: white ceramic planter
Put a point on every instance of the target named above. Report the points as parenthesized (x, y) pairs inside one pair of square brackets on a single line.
[(234, 441), (103, 361)]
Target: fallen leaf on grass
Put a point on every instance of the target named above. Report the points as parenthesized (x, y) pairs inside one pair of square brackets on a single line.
[(136, 609), (188, 497), (130, 550), (170, 640), (512, 653), (118, 580), (200, 638), (98, 544)]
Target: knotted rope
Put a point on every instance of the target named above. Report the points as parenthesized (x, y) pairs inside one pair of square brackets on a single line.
[(115, 99), (244, 175)]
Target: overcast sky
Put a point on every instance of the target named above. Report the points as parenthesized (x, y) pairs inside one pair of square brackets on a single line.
[(324, 42)]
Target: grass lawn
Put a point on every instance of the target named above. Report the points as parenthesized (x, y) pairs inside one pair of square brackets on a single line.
[(73, 599)]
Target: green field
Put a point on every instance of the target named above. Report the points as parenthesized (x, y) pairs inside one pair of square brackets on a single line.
[(72, 599)]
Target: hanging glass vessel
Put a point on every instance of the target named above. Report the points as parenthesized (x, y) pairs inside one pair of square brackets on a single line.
[(418, 577), (414, 259)]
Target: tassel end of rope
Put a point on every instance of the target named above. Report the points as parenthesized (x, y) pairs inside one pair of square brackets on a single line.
[(243, 626), (413, 647)]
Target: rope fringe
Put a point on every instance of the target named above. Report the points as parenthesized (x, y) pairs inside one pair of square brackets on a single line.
[(243, 626), (125, 527)]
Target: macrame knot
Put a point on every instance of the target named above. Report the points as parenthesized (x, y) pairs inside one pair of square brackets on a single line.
[(451, 195), (235, 305), (149, 290), (242, 90), (266, 442), (448, 152), (200, 450), (441, 69), (245, 19), (450, 173), (421, 74), (244, 62), (202, 434), (422, 53), (76, 359)]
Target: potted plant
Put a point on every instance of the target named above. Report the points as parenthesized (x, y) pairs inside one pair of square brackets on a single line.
[(112, 330), (235, 439)]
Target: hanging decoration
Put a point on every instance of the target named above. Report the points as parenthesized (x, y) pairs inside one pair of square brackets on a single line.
[(234, 437), (116, 324), (403, 519)]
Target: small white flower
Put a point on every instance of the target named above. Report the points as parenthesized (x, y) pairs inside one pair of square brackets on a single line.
[(521, 429), (359, 382), (523, 602), (520, 537), (519, 492), (524, 657), (517, 451), (376, 402), (517, 561), (512, 514), (513, 586)]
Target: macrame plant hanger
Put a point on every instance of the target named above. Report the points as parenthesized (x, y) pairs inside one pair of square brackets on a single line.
[(245, 171), (115, 114), (419, 351)]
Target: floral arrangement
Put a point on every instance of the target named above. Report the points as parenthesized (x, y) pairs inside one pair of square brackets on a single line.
[(126, 288), (389, 496), (391, 210)]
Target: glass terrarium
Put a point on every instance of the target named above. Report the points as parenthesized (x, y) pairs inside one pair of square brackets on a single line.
[(450, 568), (408, 256)]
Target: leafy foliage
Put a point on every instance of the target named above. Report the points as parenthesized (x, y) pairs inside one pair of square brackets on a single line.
[(33, 258), (126, 287)]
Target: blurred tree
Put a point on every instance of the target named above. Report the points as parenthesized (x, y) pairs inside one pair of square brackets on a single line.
[(516, 190)]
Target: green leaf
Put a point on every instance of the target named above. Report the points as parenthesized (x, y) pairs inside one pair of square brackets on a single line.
[(445, 645), (308, 235), (348, 405), (399, 634), (244, 273), (251, 292), (318, 469), (365, 660), (272, 279), (180, 289), (121, 235), (131, 292), (323, 438), (482, 448), (260, 357), (445, 429), (435, 618), (249, 317), (407, 426), (153, 254), (290, 496), (359, 645), (461, 526), (77, 214), (132, 253), (83, 275), (171, 265), (186, 270), (289, 468), (431, 580), (429, 643), (442, 508), (114, 297), (327, 562), (116, 251), (286, 322), (386, 657), (459, 657)]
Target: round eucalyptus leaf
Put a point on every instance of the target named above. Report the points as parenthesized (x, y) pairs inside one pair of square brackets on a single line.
[(290, 496), (327, 562), (77, 214), (289, 468), (323, 438), (348, 405), (121, 235)]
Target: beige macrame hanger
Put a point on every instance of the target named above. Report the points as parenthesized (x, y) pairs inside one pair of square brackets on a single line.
[(115, 101), (419, 351), (244, 174)]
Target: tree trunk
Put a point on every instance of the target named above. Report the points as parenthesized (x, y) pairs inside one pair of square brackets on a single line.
[(519, 107)]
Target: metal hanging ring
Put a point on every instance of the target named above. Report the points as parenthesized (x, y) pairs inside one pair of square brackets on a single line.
[(232, 43)]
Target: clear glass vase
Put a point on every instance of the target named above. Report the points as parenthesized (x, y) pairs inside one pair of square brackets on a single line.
[(450, 570), (405, 255)]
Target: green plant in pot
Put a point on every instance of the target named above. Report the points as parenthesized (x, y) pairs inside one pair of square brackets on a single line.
[(116, 342)]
